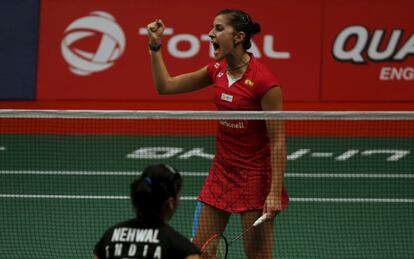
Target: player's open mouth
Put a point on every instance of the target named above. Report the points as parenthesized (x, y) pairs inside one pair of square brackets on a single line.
[(216, 47)]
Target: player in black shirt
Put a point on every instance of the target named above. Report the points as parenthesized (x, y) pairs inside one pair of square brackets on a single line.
[(155, 196)]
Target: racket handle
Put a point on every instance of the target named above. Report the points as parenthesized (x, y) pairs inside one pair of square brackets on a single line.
[(260, 220)]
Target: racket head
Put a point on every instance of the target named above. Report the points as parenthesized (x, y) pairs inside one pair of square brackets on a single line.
[(216, 247)]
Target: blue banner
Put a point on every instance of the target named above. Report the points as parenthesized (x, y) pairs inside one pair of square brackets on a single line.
[(19, 25)]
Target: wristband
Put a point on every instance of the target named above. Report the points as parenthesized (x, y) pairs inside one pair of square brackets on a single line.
[(154, 46)]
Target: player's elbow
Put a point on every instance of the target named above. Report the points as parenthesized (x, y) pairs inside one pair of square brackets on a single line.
[(164, 87), (161, 91)]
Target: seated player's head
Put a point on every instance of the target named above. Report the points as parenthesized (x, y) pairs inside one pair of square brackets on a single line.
[(156, 192)]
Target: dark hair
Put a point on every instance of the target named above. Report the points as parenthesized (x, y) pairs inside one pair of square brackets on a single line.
[(156, 184), (241, 21)]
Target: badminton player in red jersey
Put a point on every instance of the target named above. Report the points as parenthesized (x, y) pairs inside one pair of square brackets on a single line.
[(247, 172)]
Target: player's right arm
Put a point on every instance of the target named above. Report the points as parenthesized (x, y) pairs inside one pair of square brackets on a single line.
[(164, 82)]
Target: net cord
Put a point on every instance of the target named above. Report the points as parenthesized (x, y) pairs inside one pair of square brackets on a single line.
[(208, 115)]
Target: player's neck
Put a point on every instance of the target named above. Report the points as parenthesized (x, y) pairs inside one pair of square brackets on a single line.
[(237, 65)]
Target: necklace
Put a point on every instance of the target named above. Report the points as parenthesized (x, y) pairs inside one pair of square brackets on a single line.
[(237, 68)]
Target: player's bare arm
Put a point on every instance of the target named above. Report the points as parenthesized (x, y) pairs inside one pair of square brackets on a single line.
[(164, 82), (272, 101)]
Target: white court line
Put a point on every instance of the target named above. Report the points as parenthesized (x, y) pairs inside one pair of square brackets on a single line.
[(363, 175), (84, 173), (352, 200), (193, 198), (77, 197), (203, 174)]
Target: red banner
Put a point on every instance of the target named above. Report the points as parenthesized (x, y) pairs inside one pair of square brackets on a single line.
[(368, 50), (97, 50), (337, 50)]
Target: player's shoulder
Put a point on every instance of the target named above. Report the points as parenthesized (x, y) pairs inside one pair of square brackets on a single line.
[(174, 235), (125, 223), (261, 72), (261, 78), (128, 222), (179, 242), (216, 66), (171, 231)]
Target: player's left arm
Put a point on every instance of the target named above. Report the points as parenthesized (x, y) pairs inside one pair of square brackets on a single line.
[(272, 101)]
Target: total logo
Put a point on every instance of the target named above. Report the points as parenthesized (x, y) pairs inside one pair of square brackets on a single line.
[(194, 41), (111, 43)]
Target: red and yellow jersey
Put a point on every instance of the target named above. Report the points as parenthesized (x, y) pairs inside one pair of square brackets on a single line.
[(242, 144)]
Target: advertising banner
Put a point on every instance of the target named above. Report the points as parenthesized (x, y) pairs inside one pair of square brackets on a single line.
[(97, 50), (368, 50), (18, 47)]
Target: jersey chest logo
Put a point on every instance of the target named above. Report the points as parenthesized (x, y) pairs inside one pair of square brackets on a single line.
[(249, 83), (227, 97)]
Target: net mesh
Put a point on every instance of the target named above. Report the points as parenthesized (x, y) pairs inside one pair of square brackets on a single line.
[(64, 179)]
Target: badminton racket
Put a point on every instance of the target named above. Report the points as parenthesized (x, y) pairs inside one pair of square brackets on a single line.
[(216, 247)]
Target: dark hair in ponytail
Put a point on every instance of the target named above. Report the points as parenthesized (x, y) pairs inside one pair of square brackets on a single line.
[(241, 21), (156, 184)]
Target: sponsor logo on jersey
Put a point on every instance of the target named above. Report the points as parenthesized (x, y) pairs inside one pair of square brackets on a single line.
[(249, 82), (227, 97), (233, 124)]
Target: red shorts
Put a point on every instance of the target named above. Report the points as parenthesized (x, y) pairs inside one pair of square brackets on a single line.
[(236, 190)]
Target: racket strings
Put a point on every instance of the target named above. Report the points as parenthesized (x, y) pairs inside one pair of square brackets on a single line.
[(217, 245), (215, 248)]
